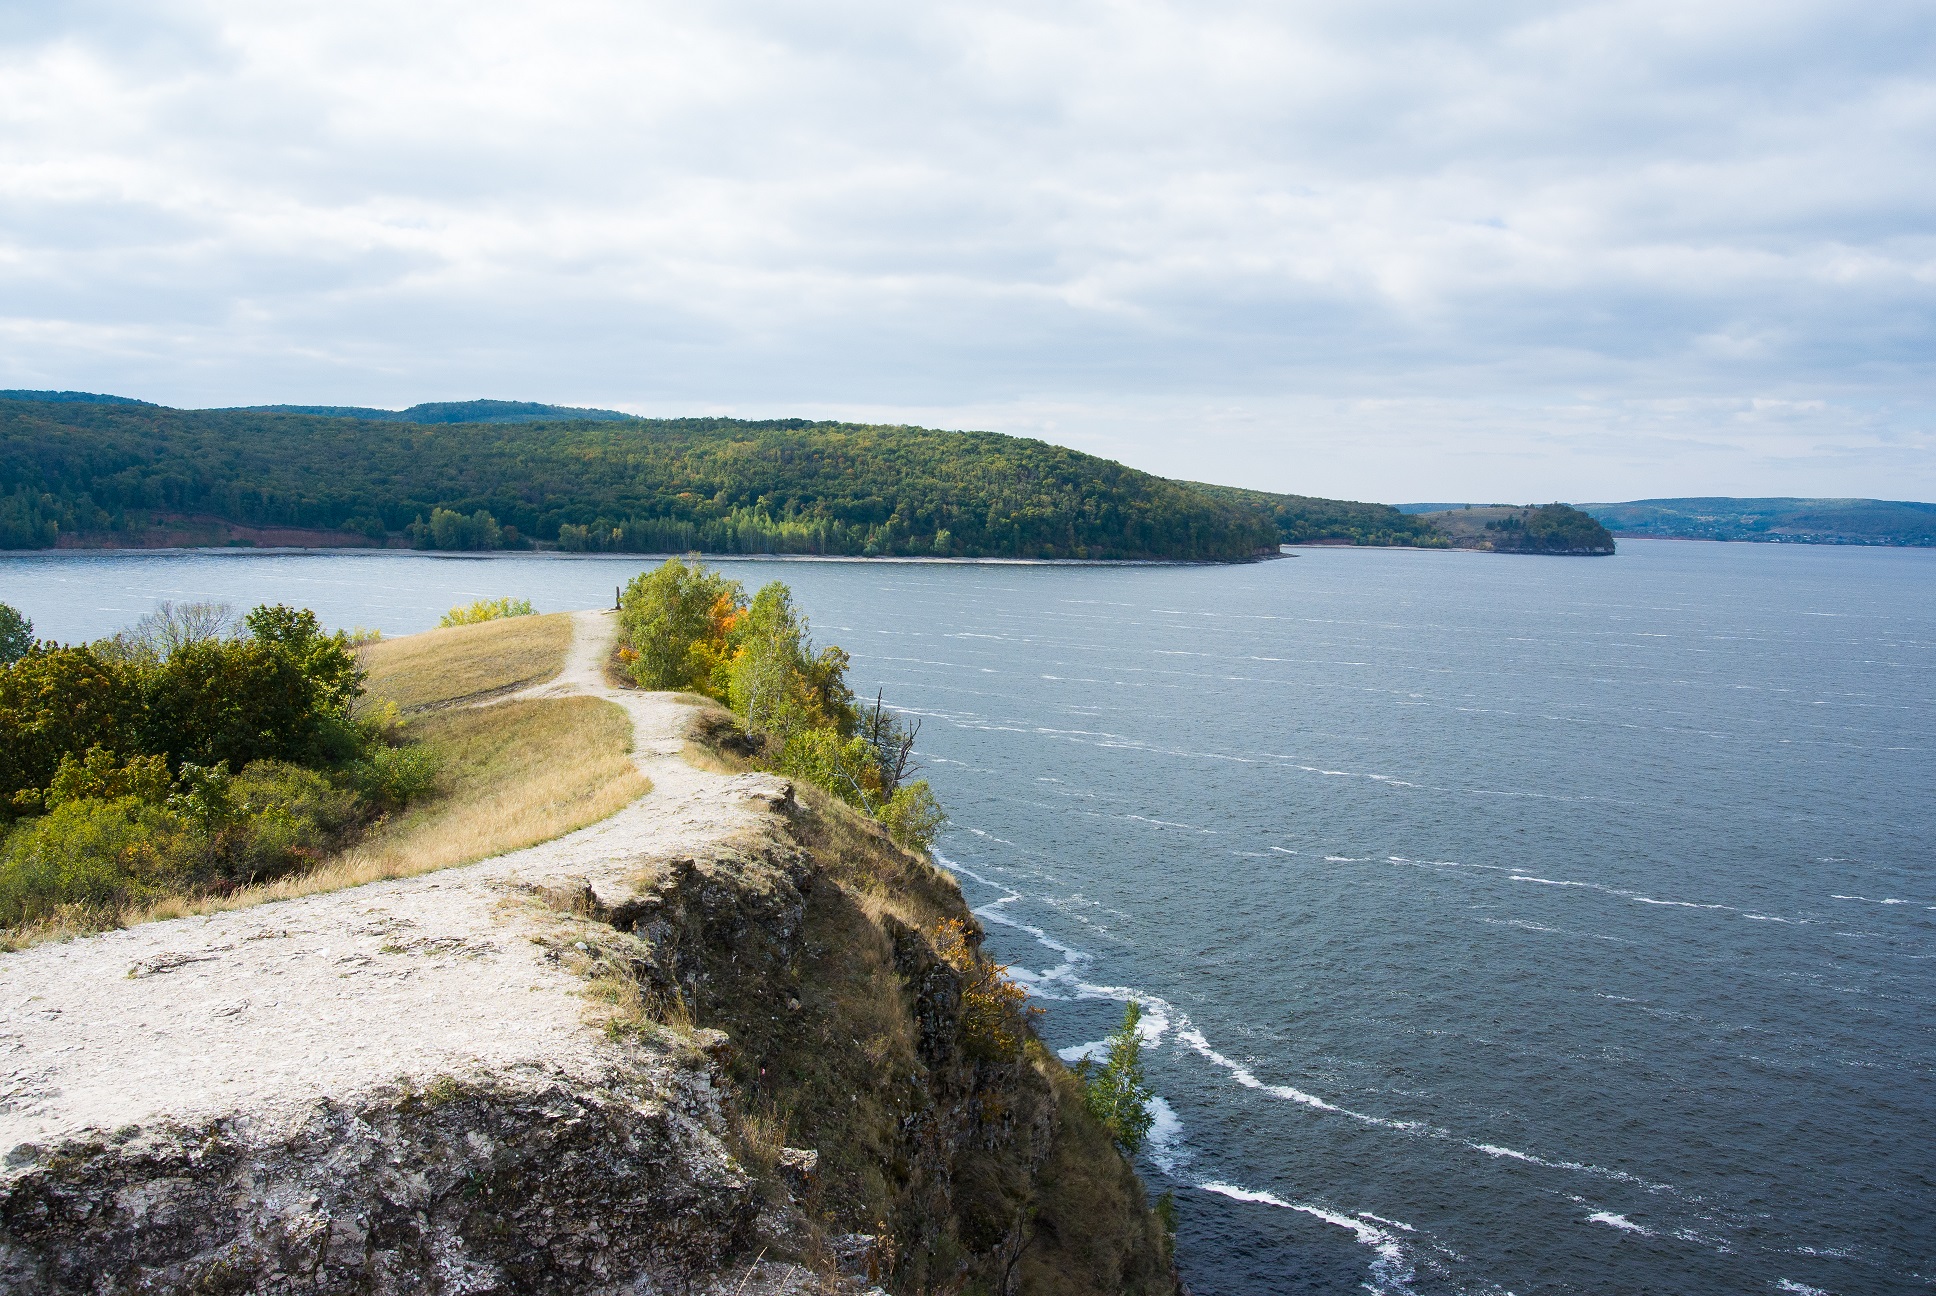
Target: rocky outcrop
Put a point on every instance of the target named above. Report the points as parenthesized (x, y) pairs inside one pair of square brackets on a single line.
[(705, 1046)]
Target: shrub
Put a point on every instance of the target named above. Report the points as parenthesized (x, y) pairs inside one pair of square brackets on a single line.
[(678, 620), (487, 610), (913, 817), (55, 701), (235, 701), (97, 776), (992, 1022), (16, 634), (284, 816), (392, 777), (89, 854), (328, 662)]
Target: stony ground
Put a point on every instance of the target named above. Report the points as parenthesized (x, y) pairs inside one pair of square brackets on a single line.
[(256, 1029)]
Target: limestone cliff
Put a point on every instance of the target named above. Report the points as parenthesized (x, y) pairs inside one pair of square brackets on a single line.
[(707, 1045)]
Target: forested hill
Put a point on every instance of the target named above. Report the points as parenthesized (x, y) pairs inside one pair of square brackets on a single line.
[(127, 473), (1307, 519), (1781, 520)]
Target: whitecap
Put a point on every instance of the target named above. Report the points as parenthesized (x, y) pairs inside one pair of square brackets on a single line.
[(1620, 1222), (1164, 1142), (1243, 1075), (1800, 1289), (1389, 1271), (1578, 1167)]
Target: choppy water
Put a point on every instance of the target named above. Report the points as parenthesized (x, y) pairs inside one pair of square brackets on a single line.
[(1505, 923)]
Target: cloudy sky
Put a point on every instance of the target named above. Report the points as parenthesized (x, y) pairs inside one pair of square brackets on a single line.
[(1396, 251)]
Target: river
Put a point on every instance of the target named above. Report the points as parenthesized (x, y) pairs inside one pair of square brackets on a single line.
[(1504, 924)]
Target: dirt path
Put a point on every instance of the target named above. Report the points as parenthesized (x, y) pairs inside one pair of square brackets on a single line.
[(261, 1012)]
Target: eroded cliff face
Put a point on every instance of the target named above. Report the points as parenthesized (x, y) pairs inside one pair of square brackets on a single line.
[(706, 1046)]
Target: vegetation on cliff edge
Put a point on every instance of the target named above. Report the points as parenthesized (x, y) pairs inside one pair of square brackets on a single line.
[(686, 627)]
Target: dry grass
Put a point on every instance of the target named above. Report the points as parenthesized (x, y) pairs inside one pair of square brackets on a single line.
[(514, 775), (449, 667)]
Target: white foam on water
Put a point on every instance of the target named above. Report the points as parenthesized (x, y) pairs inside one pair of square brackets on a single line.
[(1243, 1075), (1390, 1272), (1164, 1142), (1800, 1289), (1620, 1222), (1283, 850), (1382, 1220), (1578, 1167), (1868, 900), (1519, 875), (1677, 904)]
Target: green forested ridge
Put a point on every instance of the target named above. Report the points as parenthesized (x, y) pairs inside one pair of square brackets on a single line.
[(1789, 520), (714, 484), (1306, 519)]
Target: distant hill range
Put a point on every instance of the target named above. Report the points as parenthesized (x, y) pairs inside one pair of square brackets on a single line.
[(81, 468), (1779, 520)]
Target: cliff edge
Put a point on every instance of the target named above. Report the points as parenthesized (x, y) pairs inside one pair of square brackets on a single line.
[(705, 1045)]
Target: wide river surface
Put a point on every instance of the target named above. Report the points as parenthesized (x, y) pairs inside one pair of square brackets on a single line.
[(1504, 924)]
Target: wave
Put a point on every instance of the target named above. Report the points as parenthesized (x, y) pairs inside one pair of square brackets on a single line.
[(1391, 1271), (1193, 1037), (1620, 1222)]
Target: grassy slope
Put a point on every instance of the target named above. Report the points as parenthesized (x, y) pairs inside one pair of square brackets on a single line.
[(875, 489), (461, 664), (513, 774)]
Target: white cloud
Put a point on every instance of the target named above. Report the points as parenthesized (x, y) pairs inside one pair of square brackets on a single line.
[(1386, 250)]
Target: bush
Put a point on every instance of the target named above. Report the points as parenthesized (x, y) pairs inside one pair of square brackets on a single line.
[(678, 620), (913, 817), (690, 628), (283, 816), (487, 610), (393, 777), (992, 1016), (16, 634), (90, 854), (97, 776), (56, 701)]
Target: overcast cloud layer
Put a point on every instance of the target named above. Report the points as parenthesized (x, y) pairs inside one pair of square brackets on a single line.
[(1384, 250)]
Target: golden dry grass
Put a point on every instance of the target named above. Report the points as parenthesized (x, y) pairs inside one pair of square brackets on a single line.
[(513, 775), (443, 668)]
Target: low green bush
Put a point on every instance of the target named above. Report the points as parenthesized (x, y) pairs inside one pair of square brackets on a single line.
[(392, 777), (487, 610), (97, 855)]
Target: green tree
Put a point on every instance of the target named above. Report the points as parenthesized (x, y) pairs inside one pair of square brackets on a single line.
[(233, 701), (55, 701), (16, 634), (676, 619), (1115, 1092), (327, 661)]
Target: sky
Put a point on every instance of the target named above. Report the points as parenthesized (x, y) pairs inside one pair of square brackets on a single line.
[(1395, 251)]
